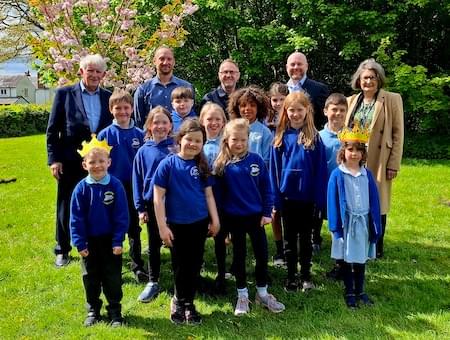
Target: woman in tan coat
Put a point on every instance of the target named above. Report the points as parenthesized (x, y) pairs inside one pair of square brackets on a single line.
[(382, 111)]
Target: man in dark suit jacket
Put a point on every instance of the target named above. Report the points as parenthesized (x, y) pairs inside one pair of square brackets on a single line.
[(78, 111), (296, 68)]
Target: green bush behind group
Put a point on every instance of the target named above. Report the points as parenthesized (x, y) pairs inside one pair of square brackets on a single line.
[(409, 38)]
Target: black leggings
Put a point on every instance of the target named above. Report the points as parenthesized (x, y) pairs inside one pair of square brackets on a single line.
[(297, 222)]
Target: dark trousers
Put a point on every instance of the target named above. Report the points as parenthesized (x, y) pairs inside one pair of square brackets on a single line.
[(221, 251), (297, 222), (353, 276), (101, 269), (187, 250), (134, 231), (154, 245), (316, 229), (240, 226), (72, 174), (380, 242)]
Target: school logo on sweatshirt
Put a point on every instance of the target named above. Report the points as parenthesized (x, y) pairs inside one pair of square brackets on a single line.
[(135, 143), (254, 169), (194, 171), (108, 198)]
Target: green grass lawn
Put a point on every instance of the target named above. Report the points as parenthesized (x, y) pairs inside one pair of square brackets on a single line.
[(411, 286)]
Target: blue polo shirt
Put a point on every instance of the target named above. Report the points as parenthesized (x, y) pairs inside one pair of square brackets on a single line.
[(153, 93), (185, 190)]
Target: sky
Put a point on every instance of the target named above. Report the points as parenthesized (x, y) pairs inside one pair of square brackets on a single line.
[(16, 66)]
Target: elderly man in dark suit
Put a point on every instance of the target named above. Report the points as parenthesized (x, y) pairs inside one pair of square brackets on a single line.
[(296, 68), (78, 111)]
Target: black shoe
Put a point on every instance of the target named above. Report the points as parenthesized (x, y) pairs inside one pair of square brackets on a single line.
[(291, 286), (62, 260), (363, 299), (335, 273), (117, 322), (220, 287), (91, 319), (177, 312), (141, 276), (350, 301), (191, 314)]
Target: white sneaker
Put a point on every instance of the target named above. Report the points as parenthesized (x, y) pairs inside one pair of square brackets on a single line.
[(270, 302), (242, 306), (307, 285)]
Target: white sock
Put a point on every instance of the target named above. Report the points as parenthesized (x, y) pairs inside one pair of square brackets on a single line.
[(243, 292), (262, 291)]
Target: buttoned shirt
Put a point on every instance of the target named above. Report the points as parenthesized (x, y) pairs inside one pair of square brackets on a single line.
[(92, 106), (298, 87)]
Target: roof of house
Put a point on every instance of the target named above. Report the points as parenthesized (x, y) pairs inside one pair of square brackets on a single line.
[(11, 81), (13, 100)]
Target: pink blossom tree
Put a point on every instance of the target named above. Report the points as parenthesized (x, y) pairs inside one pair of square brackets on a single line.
[(75, 28)]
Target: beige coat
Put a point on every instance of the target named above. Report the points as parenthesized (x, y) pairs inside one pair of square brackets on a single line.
[(386, 140)]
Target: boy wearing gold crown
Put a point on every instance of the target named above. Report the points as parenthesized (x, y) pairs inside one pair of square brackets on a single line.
[(353, 214), (98, 223)]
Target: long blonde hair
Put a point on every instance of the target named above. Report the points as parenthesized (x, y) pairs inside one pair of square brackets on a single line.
[(308, 133), (225, 156)]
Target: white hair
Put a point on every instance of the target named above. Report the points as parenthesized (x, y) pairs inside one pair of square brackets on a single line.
[(94, 60)]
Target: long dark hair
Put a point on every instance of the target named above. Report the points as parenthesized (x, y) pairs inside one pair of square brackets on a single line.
[(193, 125)]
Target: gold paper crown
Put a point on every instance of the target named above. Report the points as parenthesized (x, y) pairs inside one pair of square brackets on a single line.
[(94, 143), (358, 134)]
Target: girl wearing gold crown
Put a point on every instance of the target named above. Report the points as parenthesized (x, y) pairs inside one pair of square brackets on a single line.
[(298, 170), (353, 214)]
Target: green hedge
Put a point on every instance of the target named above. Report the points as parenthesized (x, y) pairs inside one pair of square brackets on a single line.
[(23, 119)]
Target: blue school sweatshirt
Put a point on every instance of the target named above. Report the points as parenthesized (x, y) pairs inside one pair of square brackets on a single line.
[(244, 188), (260, 140), (297, 173), (98, 208), (177, 120), (125, 143), (145, 163)]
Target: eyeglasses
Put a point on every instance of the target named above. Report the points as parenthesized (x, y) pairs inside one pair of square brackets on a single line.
[(229, 72), (369, 78)]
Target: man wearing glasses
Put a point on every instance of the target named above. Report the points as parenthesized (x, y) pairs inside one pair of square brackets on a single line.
[(228, 76)]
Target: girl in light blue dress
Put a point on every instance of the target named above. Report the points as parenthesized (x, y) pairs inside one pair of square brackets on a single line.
[(353, 217)]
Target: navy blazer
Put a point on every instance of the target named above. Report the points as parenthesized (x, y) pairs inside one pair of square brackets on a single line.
[(68, 124), (318, 93)]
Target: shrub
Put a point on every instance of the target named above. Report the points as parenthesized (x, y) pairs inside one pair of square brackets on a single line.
[(23, 119)]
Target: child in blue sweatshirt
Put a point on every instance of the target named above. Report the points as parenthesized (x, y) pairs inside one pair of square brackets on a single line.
[(335, 110), (353, 215), (186, 213), (299, 179), (98, 223), (246, 201), (182, 103), (126, 139), (252, 104), (158, 127)]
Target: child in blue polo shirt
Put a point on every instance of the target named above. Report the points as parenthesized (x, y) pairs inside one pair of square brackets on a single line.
[(182, 103), (98, 223), (158, 126), (186, 213), (213, 118), (126, 139), (246, 201)]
